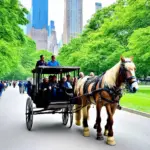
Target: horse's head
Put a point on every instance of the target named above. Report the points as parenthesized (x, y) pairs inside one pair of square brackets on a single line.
[(128, 69)]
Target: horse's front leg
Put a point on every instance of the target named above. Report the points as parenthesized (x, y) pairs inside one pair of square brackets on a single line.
[(109, 125), (86, 131), (88, 108), (78, 114), (98, 120)]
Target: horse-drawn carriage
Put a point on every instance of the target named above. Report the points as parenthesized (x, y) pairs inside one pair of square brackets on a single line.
[(104, 90), (60, 103)]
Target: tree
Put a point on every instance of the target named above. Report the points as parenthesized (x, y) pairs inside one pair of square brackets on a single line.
[(112, 32), (139, 47)]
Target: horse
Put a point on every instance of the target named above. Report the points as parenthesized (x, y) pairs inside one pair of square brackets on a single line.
[(104, 90)]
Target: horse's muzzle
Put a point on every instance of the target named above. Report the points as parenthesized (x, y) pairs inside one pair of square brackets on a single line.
[(134, 87)]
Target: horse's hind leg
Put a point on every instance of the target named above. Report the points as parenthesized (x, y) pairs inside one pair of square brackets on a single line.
[(78, 114), (110, 138)]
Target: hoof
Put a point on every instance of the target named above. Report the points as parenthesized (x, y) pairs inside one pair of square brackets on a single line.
[(106, 132), (111, 141), (78, 123), (86, 132), (100, 138), (95, 126)]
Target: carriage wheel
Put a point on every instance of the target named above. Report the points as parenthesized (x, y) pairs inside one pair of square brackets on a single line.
[(65, 116), (29, 114)]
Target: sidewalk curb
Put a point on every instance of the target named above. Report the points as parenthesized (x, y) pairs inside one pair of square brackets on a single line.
[(136, 112)]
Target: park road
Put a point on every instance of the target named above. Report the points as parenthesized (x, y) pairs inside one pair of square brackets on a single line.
[(132, 132)]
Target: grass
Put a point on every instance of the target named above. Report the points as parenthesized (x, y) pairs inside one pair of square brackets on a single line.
[(138, 101)]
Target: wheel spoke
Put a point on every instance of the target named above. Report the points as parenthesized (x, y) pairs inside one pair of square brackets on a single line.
[(29, 114)]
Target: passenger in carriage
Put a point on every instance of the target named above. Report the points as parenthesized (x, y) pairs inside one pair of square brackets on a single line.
[(53, 86), (53, 62), (69, 79), (45, 84), (50, 78), (66, 83), (41, 62), (45, 91)]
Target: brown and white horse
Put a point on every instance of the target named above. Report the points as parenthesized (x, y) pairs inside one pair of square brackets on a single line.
[(108, 91)]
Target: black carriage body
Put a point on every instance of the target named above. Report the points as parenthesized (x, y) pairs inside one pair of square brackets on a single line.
[(63, 105), (40, 72)]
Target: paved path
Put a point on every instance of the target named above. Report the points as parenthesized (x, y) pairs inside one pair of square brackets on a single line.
[(132, 132)]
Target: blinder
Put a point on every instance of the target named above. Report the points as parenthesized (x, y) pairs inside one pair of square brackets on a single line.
[(128, 80)]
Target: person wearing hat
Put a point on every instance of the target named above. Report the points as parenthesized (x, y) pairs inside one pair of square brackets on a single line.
[(53, 62), (41, 62)]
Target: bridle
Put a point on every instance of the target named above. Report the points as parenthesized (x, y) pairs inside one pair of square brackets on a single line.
[(116, 92), (123, 71)]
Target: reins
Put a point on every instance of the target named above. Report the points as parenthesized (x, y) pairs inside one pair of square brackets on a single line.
[(115, 93)]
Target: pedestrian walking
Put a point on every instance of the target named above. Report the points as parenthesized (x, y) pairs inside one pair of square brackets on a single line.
[(1, 89), (20, 84)]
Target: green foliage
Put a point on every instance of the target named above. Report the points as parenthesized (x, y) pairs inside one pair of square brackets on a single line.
[(18, 53), (139, 101), (120, 29), (139, 47), (36, 56)]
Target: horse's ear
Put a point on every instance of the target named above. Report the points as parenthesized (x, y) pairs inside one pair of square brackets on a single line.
[(122, 59), (131, 58)]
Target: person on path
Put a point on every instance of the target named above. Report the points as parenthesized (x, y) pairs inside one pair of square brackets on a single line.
[(1, 89), (20, 84)]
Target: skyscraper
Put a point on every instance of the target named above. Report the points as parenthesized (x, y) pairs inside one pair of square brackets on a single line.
[(51, 27), (73, 19), (98, 6), (39, 31), (52, 39), (40, 14)]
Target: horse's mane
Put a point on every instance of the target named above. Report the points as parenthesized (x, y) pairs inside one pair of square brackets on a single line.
[(111, 75)]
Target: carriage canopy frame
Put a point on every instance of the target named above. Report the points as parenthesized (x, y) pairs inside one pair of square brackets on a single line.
[(54, 70)]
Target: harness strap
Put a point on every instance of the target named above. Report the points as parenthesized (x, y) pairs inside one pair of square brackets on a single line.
[(109, 101)]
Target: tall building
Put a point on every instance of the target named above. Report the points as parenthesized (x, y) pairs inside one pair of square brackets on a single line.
[(51, 27), (39, 31), (53, 46), (73, 19), (98, 6), (40, 14), (52, 39)]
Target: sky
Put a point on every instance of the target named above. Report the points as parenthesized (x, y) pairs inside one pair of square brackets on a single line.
[(56, 11)]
